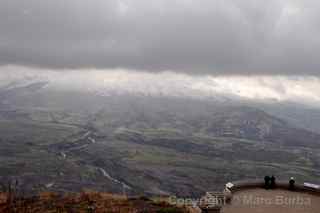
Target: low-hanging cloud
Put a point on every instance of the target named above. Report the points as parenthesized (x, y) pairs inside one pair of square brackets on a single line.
[(197, 37), (294, 89)]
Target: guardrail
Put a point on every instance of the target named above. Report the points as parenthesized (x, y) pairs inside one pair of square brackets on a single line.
[(247, 184)]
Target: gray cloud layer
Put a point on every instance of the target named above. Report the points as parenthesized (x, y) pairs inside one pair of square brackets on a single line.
[(207, 36)]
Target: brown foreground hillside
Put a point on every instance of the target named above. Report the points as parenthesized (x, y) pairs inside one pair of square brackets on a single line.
[(86, 202)]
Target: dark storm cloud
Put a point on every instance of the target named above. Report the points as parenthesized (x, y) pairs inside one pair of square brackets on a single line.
[(208, 36)]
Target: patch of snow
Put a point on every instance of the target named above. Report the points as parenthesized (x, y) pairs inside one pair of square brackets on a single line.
[(107, 175)]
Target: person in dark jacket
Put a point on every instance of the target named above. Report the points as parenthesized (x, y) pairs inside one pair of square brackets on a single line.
[(272, 182), (266, 182), (291, 183)]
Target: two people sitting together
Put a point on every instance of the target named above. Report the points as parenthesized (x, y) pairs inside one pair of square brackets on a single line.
[(269, 182)]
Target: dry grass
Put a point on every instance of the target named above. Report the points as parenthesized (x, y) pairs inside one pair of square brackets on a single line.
[(86, 202)]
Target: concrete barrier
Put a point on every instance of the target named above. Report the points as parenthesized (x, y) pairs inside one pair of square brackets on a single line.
[(247, 184)]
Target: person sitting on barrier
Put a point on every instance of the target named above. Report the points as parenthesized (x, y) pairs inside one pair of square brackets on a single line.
[(227, 192), (291, 183), (266, 182), (272, 182)]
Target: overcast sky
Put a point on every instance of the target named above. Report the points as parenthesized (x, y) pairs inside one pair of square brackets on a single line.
[(194, 36)]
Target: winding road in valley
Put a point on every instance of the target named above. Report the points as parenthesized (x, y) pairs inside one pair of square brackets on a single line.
[(81, 142)]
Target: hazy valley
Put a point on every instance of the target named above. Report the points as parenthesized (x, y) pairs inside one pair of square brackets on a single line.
[(142, 144)]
